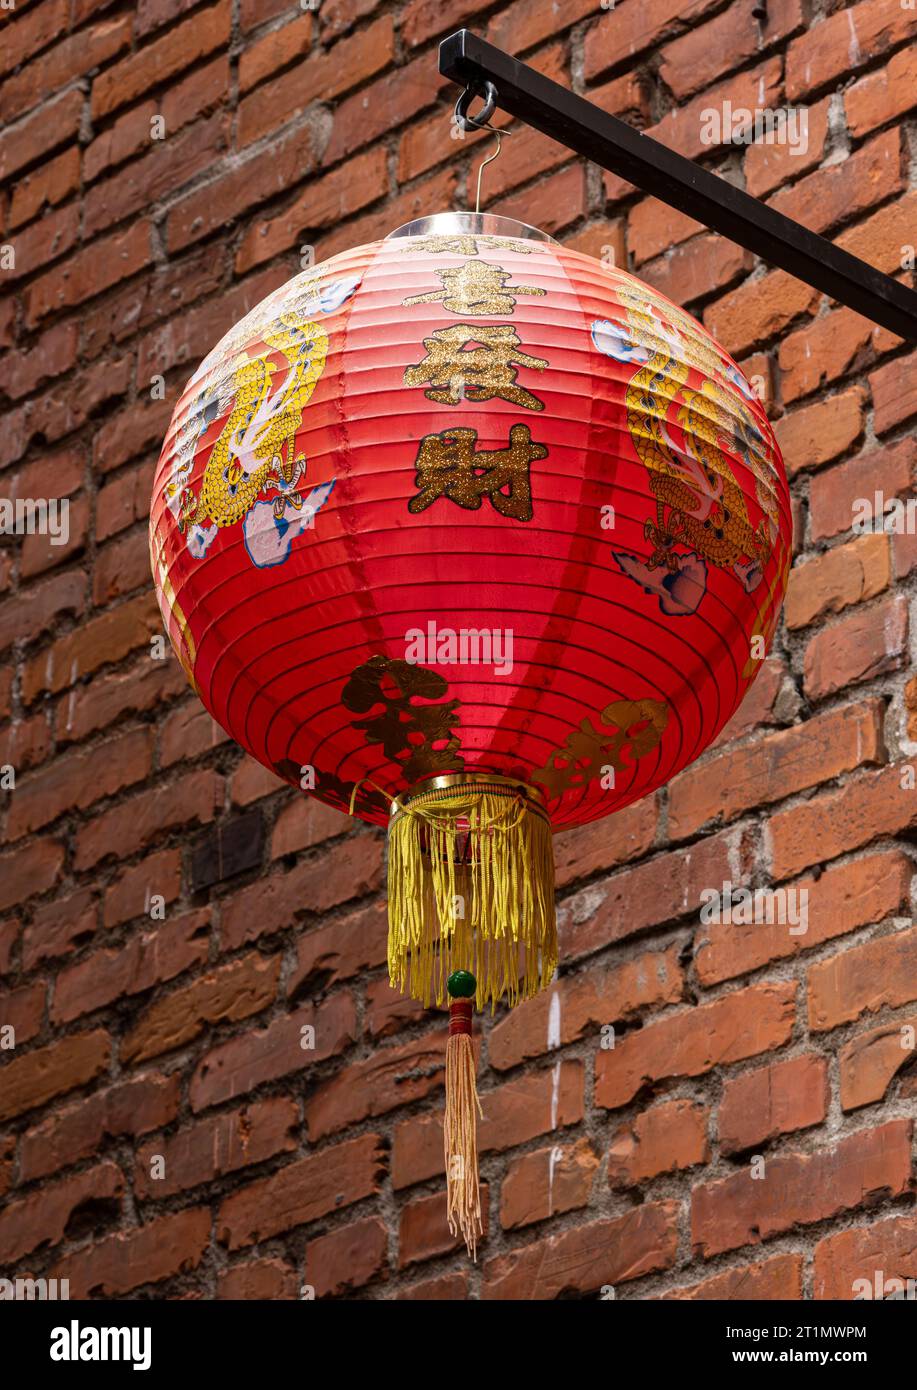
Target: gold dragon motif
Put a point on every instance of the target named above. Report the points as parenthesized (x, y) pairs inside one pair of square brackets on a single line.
[(256, 446), (698, 501)]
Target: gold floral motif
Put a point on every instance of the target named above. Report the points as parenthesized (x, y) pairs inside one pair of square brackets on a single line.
[(634, 724), (475, 288), (419, 738), (448, 465), (454, 372), (468, 245)]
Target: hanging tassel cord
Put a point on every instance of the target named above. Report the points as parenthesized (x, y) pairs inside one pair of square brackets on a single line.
[(460, 1126), (486, 906)]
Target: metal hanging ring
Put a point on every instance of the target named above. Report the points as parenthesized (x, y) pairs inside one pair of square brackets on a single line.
[(478, 122)]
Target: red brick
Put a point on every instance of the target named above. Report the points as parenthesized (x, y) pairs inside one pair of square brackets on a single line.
[(695, 60), (768, 163), (169, 165), (348, 1258), (843, 42), (626, 33), (387, 1078), (56, 123), (177, 107), (799, 1189), (884, 95), (691, 1042), (869, 1062), (58, 66), (762, 1104), (816, 434), (36, 26), (894, 395), (326, 201), (838, 821), (553, 204), (758, 310), (663, 1139), (859, 647), (147, 1254), (579, 1004), (90, 271), (304, 823), (384, 105), (38, 1076), (768, 1281), (829, 348), (439, 191), (32, 613), (860, 1253), (51, 355), (44, 1218), (258, 1279), (423, 1230), (237, 990), (178, 49), (186, 732), (211, 1148), (23, 1010), (276, 50), (129, 894), (535, 1104), (130, 432), (344, 948), (251, 781), (145, 685), (833, 581), (387, 1012), (58, 927), (879, 240), (775, 766), (697, 269), (864, 979), (301, 1192), (762, 705), (68, 1136), (77, 780), (519, 26), (246, 184), (51, 237), (351, 869), (547, 1183), (145, 961), (185, 340), (587, 1258), (319, 78), (29, 870), (840, 191), (843, 898), (832, 494), (136, 822), (249, 1059)]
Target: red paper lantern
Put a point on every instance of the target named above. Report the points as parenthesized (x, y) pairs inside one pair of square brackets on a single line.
[(460, 514)]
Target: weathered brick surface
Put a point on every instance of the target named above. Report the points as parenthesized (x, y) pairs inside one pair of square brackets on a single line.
[(176, 922)]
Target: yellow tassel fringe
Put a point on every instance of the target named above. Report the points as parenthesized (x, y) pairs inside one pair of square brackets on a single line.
[(460, 1132), (493, 915)]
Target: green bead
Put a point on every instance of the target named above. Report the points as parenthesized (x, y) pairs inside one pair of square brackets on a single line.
[(461, 984)]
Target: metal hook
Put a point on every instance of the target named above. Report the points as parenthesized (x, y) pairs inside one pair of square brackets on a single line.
[(489, 160), (480, 122)]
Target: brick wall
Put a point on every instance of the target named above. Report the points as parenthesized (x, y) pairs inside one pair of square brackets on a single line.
[(171, 916)]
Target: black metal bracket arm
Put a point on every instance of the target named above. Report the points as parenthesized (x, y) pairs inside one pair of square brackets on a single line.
[(652, 167)]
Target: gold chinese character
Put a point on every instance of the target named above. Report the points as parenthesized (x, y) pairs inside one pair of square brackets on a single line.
[(456, 372), (638, 724), (420, 738), (477, 287), (448, 466)]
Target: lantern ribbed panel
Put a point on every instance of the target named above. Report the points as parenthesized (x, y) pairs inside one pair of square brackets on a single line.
[(625, 608)]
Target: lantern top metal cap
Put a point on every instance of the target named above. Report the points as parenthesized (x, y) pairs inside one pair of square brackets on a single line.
[(465, 223)]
